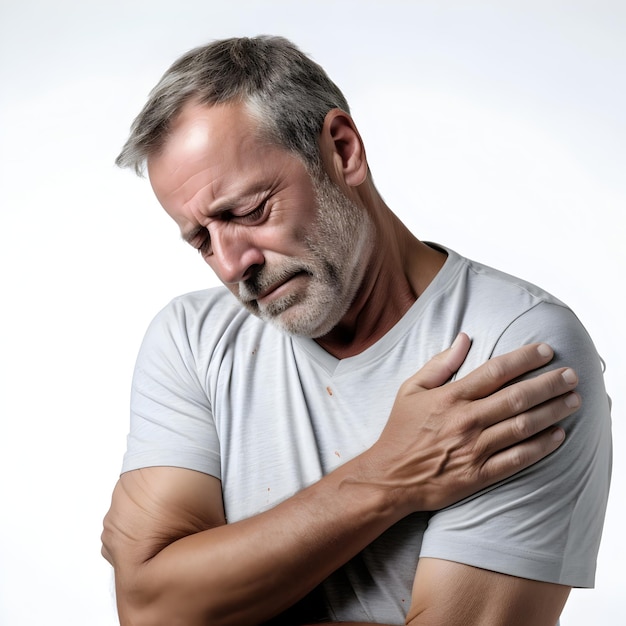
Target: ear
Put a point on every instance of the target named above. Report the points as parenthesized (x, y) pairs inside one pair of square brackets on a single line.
[(342, 149)]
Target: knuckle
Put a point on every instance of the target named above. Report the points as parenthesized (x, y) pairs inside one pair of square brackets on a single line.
[(550, 383), (470, 421), (406, 387), (409, 387), (517, 399), (556, 410), (495, 369), (523, 426), (489, 470), (519, 458), (449, 396), (553, 383)]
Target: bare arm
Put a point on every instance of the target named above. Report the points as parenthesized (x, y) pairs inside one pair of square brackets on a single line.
[(451, 594), (176, 561), (446, 593)]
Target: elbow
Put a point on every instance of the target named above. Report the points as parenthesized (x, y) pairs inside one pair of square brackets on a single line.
[(151, 592), (134, 615), (137, 605), (159, 612), (137, 602), (145, 600)]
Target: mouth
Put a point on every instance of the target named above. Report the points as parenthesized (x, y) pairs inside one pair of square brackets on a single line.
[(277, 289)]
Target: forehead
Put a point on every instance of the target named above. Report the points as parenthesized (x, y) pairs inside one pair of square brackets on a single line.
[(199, 132), (200, 126), (214, 146)]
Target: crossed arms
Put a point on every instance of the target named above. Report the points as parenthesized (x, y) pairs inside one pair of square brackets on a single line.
[(176, 560)]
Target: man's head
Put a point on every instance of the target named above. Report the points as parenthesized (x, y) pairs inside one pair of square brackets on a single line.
[(250, 148), (286, 92), (290, 244)]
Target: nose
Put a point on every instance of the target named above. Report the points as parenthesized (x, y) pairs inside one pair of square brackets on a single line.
[(234, 255)]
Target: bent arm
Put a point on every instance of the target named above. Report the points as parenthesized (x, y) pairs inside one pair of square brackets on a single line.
[(239, 573), (176, 561)]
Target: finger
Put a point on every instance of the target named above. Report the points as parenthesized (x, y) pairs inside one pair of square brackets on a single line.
[(500, 370), (528, 424), (442, 366), (524, 395), (512, 460)]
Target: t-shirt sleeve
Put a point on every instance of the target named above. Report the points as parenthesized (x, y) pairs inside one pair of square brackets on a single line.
[(545, 523), (171, 422)]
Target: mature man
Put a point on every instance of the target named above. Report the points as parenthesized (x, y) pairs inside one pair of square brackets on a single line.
[(278, 467)]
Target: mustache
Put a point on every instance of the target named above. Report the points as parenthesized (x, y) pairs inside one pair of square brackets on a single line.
[(265, 279)]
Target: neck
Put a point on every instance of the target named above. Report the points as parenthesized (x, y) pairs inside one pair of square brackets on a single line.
[(400, 267)]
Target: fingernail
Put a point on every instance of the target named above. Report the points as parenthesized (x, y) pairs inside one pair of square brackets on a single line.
[(558, 435), (544, 350), (569, 376), (456, 340), (572, 400)]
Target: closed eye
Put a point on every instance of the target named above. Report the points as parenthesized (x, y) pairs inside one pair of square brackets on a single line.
[(253, 216), (200, 239), (203, 246)]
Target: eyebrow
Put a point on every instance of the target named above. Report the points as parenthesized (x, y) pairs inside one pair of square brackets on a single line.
[(225, 206), (191, 235)]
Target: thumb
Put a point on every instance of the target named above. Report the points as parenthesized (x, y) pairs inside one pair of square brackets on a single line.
[(442, 366)]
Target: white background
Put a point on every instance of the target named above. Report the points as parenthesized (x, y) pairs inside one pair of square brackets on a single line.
[(496, 128)]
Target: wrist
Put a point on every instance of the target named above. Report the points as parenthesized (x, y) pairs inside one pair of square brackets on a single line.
[(363, 482)]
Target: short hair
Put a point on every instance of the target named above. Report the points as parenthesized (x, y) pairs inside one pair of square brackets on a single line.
[(286, 91)]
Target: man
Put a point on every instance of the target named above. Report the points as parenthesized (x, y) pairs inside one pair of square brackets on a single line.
[(284, 461)]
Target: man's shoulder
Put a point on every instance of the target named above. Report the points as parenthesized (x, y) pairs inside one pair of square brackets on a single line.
[(215, 306), (503, 286), (501, 311), (195, 317), (202, 299), (210, 322), (494, 297)]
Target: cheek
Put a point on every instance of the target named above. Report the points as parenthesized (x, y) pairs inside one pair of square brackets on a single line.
[(297, 216), (286, 240), (304, 235), (306, 229)]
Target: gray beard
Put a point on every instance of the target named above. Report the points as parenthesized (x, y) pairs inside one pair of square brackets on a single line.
[(338, 243)]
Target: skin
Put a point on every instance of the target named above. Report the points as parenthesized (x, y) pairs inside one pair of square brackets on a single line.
[(257, 216), (200, 196)]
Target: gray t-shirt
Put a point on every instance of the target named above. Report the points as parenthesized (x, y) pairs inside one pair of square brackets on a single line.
[(219, 391)]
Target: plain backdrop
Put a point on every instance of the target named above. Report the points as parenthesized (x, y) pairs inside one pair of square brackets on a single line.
[(496, 128)]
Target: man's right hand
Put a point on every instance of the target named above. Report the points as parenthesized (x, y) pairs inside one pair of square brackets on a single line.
[(176, 558), (444, 442)]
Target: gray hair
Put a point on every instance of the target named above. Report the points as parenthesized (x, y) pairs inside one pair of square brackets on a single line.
[(287, 92)]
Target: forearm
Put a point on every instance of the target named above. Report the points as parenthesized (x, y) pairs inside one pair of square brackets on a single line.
[(176, 560), (249, 571)]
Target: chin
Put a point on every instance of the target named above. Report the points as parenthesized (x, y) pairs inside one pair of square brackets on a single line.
[(312, 313), (295, 325), (306, 320)]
